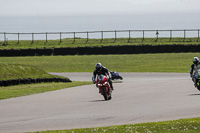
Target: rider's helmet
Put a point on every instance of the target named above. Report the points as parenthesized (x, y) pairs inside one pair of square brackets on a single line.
[(98, 66), (196, 60)]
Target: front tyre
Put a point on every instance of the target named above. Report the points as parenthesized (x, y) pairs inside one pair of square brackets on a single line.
[(110, 97), (105, 93), (198, 85)]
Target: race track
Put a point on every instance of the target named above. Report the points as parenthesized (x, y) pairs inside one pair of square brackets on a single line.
[(141, 97)]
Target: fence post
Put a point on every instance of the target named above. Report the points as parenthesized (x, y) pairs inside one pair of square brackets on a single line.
[(184, 35), (101, 36), (18, 38), (170, 35), (2, 35), (129, 37), (60, 37), (115, 36), (157, 33), (46, 37), (4, 38), (87, 37), (32, 38), (74, 37), (143, 36), (198, 36)]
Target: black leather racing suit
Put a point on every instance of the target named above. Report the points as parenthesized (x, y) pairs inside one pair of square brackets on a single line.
[(105, 72), (194, 68)]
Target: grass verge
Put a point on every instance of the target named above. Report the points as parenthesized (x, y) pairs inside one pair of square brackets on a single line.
[(168, 62), (175, 126), (82, 42), (11, 71), (23, 90)]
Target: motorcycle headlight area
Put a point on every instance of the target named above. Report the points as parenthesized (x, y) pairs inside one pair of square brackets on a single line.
[(103, 84)]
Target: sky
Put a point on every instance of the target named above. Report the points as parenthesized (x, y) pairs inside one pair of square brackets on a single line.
[(93, 7)]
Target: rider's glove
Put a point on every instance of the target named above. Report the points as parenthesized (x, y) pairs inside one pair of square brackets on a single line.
[(93, 80)]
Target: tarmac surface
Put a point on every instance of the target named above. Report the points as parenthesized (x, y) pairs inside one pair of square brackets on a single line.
[(140, 97)]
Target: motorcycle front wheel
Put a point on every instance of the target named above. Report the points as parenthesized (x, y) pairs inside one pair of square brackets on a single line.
[(105, 95), (198, 85)]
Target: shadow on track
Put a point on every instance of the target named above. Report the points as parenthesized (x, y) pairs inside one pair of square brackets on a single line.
[(194, 94), (98, 101)]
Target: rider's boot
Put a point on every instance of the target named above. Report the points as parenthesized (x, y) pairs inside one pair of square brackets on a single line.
[(195, 82), (195, 85), (111, 87)]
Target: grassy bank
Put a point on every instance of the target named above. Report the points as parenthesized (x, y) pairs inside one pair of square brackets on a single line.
[(13, 71), (176, 126), (81, 42), (173, 62)]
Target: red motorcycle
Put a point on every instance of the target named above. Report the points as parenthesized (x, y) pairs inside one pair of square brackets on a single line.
[(104, 87)]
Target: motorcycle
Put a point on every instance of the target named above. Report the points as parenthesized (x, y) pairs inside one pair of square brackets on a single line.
[(104, 87), (115, 75), (197, 78)]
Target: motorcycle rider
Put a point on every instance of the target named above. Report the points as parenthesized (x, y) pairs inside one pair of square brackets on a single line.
[(99, 69), (194, 67)]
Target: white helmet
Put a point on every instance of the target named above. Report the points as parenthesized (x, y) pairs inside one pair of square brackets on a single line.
[(196, 60)]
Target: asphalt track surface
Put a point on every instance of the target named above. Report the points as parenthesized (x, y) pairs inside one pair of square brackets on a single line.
[(141, 97)]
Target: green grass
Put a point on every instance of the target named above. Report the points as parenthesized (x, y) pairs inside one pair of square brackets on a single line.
[(81, 42), (13, 71), (169, 62), (23, 90), (176, 126)]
